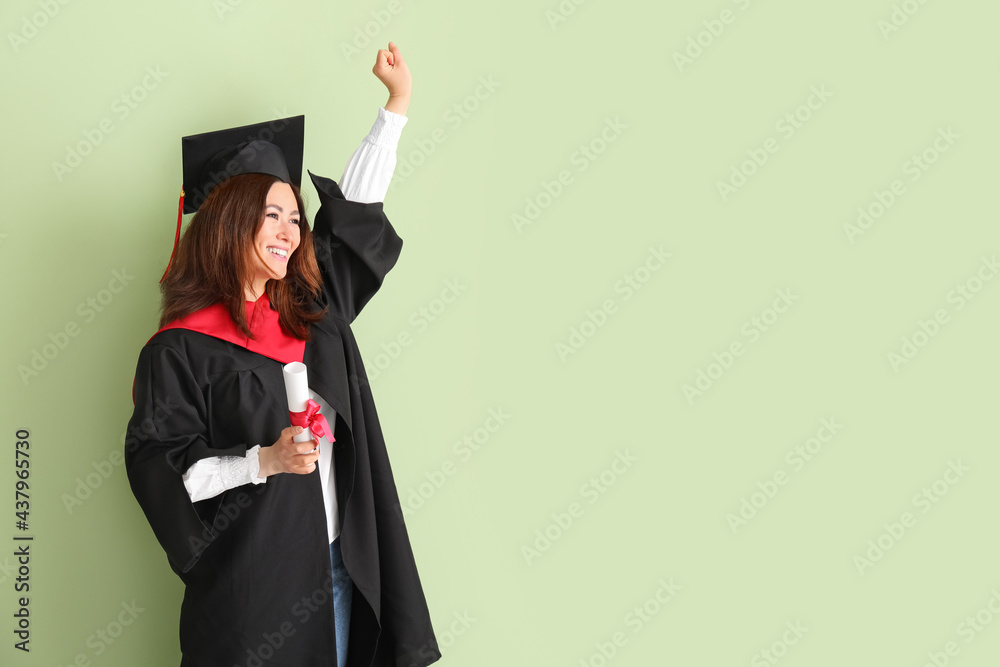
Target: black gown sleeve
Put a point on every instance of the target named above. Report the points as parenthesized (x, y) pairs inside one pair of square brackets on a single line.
[(165, 436), (356, 247)]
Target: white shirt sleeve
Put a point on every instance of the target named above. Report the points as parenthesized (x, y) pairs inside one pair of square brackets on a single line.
[(369, 171), (209, 477)]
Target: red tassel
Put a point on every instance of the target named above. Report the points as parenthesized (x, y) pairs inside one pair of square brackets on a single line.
[(177, 235)]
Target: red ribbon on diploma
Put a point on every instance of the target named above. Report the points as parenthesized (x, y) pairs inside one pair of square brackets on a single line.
[(312, 419)]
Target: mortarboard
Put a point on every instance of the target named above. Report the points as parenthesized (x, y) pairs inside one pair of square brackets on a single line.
[(273, 147)]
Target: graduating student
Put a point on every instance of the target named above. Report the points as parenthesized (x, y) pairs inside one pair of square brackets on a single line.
[(292, 554)]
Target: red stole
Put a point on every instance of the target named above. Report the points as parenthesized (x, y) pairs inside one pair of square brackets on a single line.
[(270, 340)]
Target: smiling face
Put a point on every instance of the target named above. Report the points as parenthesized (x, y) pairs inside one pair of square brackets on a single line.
[(278, 236)]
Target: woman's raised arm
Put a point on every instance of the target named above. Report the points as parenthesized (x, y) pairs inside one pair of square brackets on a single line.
[(368, 173)]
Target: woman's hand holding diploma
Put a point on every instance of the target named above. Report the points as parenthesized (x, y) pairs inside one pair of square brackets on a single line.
[(297, 450), (286, 455)]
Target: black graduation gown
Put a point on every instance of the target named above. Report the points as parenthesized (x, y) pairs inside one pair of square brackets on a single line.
[(255, 559)]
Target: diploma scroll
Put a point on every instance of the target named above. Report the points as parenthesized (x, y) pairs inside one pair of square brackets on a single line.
[(302, 410)]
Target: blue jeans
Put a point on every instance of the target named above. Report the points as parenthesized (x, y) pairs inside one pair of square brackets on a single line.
[(343, 587)]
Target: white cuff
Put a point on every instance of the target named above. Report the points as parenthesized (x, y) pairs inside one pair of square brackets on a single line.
[(242, 470), (386, 129)]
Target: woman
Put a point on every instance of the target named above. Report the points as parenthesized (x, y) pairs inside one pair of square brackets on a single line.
[(291, 553)]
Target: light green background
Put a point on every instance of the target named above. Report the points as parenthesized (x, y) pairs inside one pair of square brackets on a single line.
[(495, 345)]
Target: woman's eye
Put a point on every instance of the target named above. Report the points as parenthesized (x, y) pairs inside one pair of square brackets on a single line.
[(294, 222), (274, 214)]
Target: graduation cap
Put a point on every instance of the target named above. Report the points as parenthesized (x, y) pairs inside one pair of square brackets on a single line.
[(273, 147)]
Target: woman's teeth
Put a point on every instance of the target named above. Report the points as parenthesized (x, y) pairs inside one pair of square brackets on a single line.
[(278, 251)]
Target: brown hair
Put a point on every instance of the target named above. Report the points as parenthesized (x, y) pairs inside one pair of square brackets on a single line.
[(215, 260)]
